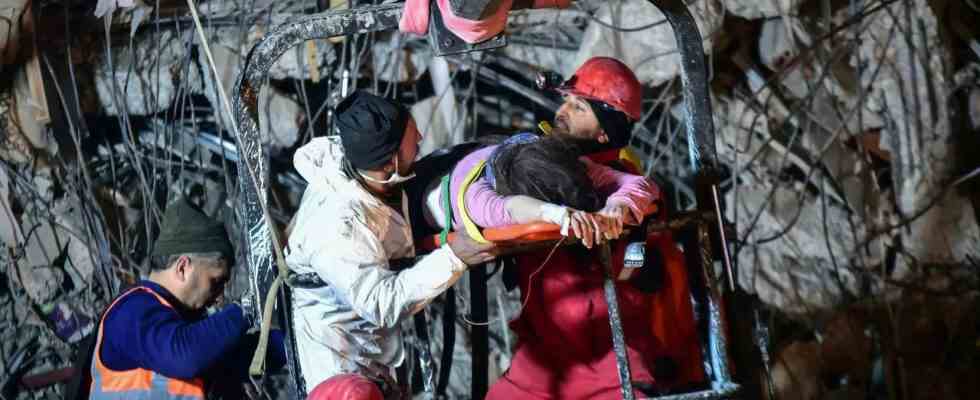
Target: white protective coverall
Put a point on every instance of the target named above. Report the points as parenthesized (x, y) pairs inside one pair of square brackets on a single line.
[(346, 236)]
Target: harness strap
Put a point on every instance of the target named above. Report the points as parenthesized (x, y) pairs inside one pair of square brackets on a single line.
[(472, 230), (447, 206)]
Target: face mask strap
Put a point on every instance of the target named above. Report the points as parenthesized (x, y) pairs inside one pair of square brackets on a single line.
[(393, 179)]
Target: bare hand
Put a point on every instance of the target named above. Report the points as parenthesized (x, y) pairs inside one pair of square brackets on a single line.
[(471, 251), (616, 215), (586, 226)]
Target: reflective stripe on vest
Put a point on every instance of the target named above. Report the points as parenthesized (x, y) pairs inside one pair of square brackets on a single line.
[(138, 383)]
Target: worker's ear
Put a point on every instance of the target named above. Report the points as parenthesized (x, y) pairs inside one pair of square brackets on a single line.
[(603, 137), (183, 268)]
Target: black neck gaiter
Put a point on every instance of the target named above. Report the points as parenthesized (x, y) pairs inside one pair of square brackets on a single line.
[(618, 127)]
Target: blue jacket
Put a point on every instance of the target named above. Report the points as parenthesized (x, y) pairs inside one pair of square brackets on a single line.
[(139, 332)]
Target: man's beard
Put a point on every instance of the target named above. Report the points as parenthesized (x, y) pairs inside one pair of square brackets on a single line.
[(586, 146), (583, 146)]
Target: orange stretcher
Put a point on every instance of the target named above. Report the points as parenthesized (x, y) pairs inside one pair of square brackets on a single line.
[(673, 323), (509, 236)]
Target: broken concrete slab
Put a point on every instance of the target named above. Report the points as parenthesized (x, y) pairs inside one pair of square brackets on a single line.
[(439, 118), (315, 57), (789, 260), (16, 149), (777, 43), (651, 53), (17, 22), (434, 129), (545, 38), (28, 106), (788, 254), (107, 7), (144, 79), (392, 61), (754, 9), (917, 131), (279, 123)]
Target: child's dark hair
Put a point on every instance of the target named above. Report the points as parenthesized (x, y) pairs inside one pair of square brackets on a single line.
[(547, 169)]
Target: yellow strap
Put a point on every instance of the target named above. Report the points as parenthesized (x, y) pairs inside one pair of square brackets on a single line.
[(545, 127), (629, 156), (472, 230)]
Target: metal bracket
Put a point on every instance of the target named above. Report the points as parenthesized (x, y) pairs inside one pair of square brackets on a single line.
[(473, 9), (444, 42)]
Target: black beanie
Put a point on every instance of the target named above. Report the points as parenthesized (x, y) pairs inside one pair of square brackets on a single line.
[(618, 126), (186, 229), (371, 128)]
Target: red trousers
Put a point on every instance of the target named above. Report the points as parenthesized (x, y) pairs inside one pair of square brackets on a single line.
[(565, 340), (346, 387)]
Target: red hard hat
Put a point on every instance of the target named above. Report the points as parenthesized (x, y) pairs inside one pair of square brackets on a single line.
[(607, 80), (346, 387)]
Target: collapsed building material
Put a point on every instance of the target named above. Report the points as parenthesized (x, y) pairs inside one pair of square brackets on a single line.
[(750, 9), (835, 132), (646, 42)]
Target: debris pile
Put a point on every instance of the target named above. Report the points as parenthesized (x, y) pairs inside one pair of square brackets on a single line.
[(845, 130)]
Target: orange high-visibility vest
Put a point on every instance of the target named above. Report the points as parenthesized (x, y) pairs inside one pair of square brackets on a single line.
[(138, 384)]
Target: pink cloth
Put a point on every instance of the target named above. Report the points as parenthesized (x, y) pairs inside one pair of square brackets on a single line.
[(476, 31), (415, 19), (488, 209), (635, 191)]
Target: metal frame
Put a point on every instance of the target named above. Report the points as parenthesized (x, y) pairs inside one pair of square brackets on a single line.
[(254, 160)]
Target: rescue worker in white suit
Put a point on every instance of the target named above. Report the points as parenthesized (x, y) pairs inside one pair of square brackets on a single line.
[(351, 223)]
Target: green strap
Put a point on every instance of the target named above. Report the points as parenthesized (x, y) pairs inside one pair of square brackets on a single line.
[(447, 206)]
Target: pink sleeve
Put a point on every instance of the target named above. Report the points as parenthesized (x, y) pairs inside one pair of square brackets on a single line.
[(486, 208), (415, 17), (634, 190)]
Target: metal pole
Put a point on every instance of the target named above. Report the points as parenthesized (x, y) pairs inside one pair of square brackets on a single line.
[(616, 324)]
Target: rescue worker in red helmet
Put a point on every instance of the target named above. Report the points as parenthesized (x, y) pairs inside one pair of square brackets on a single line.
[(602, 103), (564, 348)]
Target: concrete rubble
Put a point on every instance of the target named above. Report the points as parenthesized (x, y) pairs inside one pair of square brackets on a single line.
[(145, 78), (843, 151), (917, 132), (394, 62), (750, 9), (651, 53)]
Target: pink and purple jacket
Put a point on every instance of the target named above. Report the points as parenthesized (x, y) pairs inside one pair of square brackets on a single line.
[(488, 209)]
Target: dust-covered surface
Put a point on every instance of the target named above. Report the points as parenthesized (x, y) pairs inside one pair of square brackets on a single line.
[(846, 132)]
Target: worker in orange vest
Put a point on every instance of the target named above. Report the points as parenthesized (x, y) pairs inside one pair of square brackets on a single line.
[(156, 341)]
